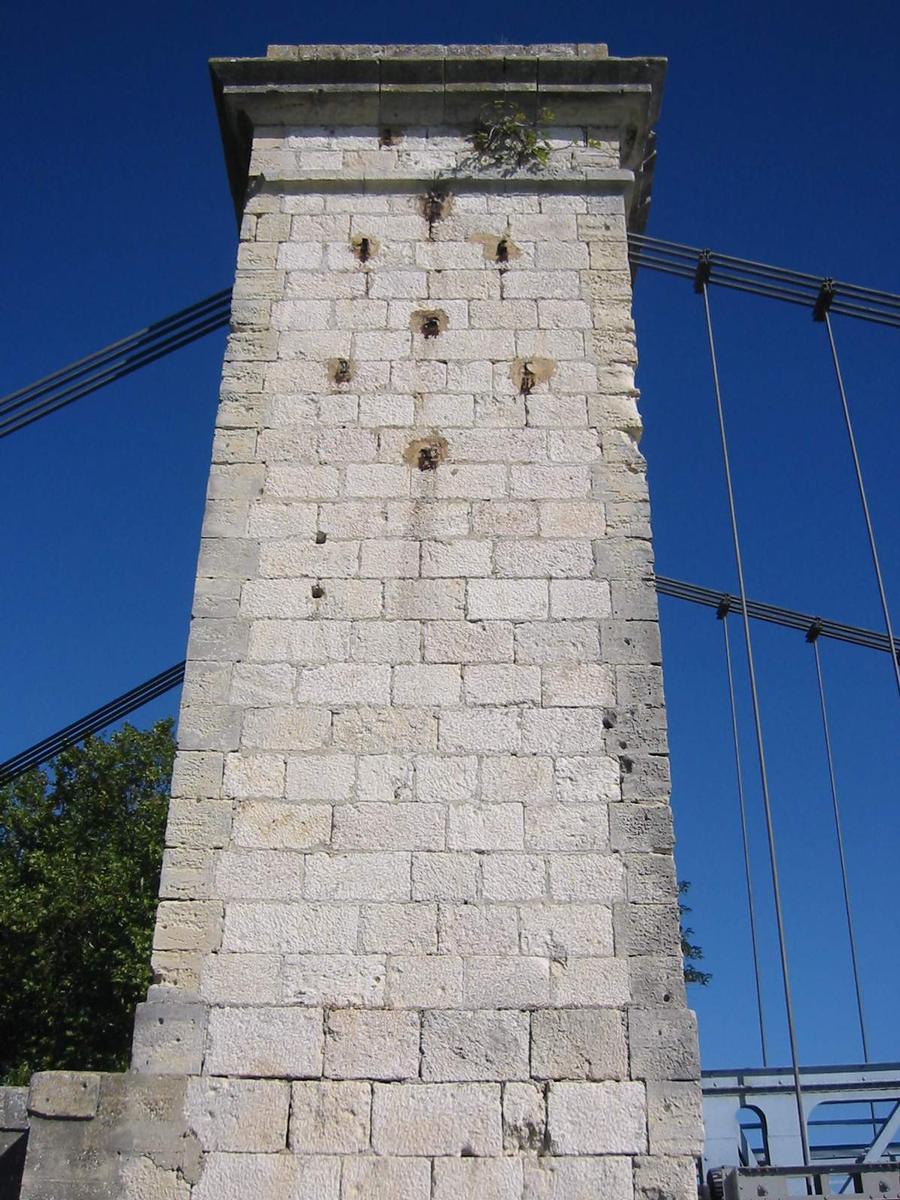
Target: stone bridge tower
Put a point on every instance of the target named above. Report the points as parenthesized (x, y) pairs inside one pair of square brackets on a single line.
[(418, 929)]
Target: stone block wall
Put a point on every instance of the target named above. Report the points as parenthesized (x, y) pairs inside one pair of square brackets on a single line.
[(418, 928)]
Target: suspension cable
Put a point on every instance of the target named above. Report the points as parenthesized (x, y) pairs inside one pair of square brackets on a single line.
[(29, 404), (172, 677), (92, 722), (701, 285), (857, 467), (813, 638), (722, 614), (762, 279)]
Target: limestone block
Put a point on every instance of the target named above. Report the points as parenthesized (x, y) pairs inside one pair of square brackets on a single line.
[(675, 1118), (237, 978), (498, 982), (332, 979), (272, 825), (451, 876), (562, 731), (527, 779), (506, 599), (663, 1043), (374, 876), (578, 1179), (646, 929), (445, 779), (386, 1179), (188, 925), (477, 1179), (485, 827), (371, 1044), (597, 1118), (385, 778), (425, 981), (557, 641), (245, 874), (468, 641), (478, 929), (290, 928), (524, 1117), (665, 1178), (645, 827), (329, 1117), (389, 827), (585, 982), (168, 1036), (275, 1176), (465, 1045), (572, 518), (563, 930), (265, 1042), (426, 685), (436, 1119), (567, 827), (484, 729), (588, 876), (502, 684), (657, 979), (143, 1179), (513, 877), (71, 1094), (579, 1044), (247, 1115)]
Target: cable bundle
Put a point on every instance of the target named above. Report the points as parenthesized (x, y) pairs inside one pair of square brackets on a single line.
[(53, 392)]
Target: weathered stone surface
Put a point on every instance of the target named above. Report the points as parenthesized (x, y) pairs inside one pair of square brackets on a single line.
[(371, 1044), (464, 1045), (477, 1179), (579, 1044), (72, 1094), (330, 1117), (578, 1179), (268, 1042), (238, 1115), (436, 1119), (597, 1118)]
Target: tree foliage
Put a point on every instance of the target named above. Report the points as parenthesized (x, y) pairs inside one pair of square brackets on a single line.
[(80, 852), (690, 952)]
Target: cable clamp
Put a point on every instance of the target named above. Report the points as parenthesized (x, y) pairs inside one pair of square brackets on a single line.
[(824, 299), (815, 629), (724, 607), (704, 271)]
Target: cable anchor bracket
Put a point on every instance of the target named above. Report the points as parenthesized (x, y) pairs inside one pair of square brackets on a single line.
[(704, 271), (824, 300)]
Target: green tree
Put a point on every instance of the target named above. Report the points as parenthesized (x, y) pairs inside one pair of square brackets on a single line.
[(690, 952), (80, 852)]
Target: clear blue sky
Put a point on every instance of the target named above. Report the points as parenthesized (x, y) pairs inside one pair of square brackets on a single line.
[(776, 143)]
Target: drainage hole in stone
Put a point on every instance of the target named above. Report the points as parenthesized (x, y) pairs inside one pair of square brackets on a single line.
[(431, 327), (428, 458), (317, 591), (321, 538)]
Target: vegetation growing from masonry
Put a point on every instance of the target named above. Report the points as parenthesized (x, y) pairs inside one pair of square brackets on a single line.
[(506, 138), (690, 952), (80, 851)]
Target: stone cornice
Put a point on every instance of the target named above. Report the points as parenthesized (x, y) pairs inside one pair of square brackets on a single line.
[(448, 86)]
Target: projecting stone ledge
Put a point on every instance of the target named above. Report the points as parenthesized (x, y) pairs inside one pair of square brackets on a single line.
[(567, 85)]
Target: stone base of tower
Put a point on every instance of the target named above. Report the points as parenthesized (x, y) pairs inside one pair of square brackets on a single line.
[(173, 1137)]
